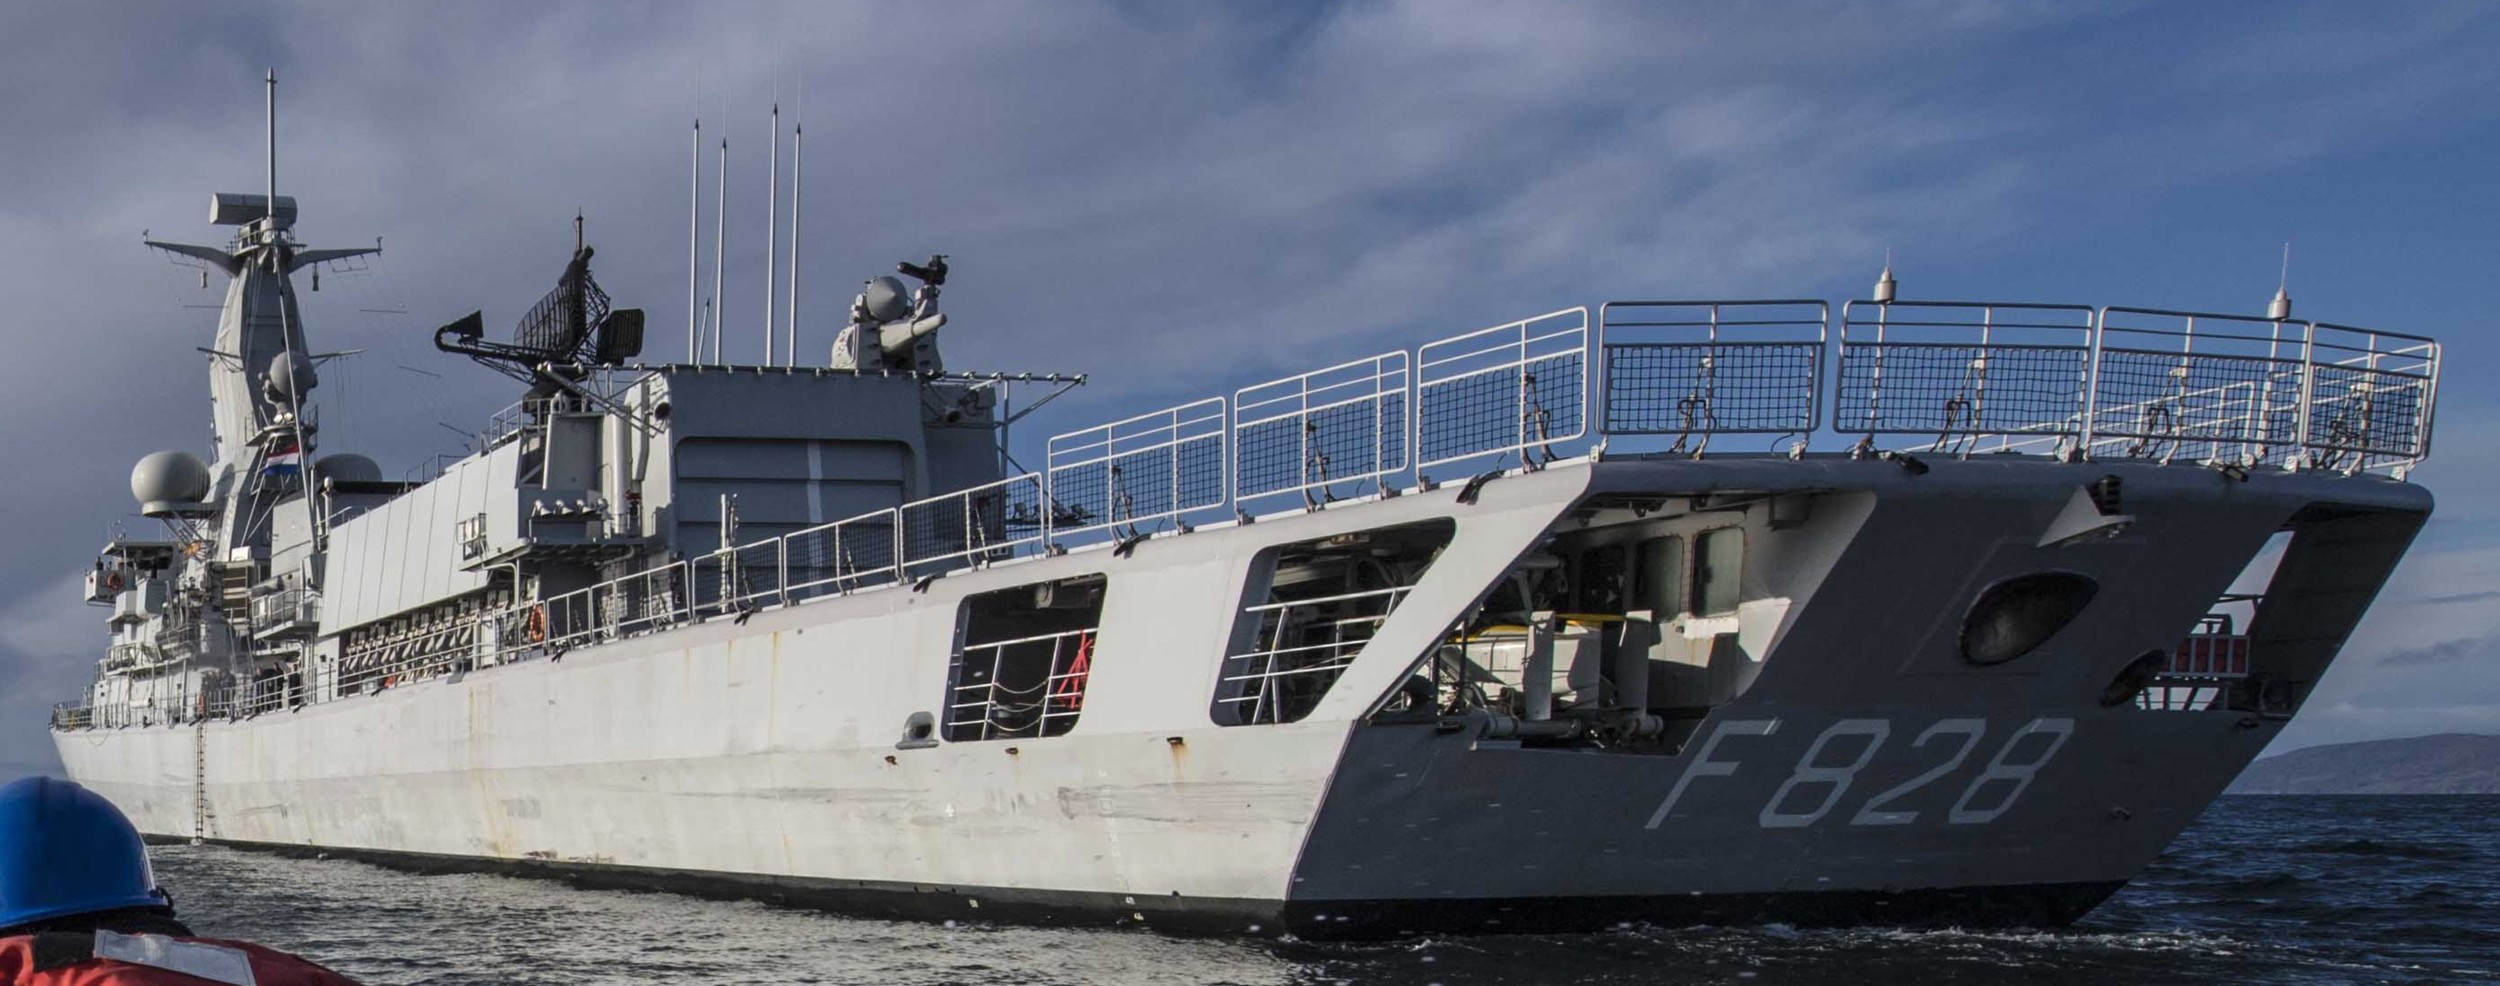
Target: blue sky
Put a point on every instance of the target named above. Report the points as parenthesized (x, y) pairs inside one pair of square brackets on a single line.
[(1181, 199)]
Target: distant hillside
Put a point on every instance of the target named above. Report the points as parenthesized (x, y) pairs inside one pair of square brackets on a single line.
[(2449, 763)]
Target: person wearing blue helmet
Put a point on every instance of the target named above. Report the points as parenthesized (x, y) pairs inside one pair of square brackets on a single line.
[(79, 905)]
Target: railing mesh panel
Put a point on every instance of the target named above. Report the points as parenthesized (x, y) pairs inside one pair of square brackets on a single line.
[(1941, 387), (1150, 468), (1138, 487), (2375, 412), (2208, 405), (1538, 403), (853, 554), (1699, 388), (985, 523), (1352, 439)]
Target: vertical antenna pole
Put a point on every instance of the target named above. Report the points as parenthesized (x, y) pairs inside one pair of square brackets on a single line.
[(798, 177), (273, 156), (2280, 309), (720, 242), (772, 229), (286, 342), (694, 241)]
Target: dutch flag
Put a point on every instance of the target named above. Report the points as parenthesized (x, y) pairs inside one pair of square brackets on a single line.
[(286, 461)]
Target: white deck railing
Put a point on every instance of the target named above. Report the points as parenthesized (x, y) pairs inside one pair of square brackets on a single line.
[(2064, 380), (1694, 369), (1154, 468), (1346, 425), (1520, 388)]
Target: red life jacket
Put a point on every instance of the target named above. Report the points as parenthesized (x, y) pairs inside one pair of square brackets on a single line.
[(108, 958)]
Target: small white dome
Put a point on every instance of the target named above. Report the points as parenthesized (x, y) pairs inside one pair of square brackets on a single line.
[(163, 479), (287, 373), (348, 467), (887, 298)]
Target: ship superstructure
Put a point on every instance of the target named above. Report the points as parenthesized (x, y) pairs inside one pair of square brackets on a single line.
[(1559, 623)]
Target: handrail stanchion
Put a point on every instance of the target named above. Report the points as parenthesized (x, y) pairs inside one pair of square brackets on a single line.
[(2430, 408), (2308, 391), (2090, 425)]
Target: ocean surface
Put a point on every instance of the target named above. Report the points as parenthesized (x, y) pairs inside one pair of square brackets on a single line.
[(2261, 890)]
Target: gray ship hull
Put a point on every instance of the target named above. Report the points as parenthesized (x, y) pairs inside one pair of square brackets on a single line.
[(1866, 774)]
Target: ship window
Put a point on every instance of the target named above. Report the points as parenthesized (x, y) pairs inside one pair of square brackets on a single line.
[(1307, 611), (1022, 660), (1658, 577), (1601, 587), (1717, 569)]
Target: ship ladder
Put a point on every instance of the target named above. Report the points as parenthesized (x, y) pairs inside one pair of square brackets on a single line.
[(1069, 694), (199, 779)]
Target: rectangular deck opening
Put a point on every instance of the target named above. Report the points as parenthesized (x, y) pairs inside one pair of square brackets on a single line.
[(1309, 608), (1022, 660)]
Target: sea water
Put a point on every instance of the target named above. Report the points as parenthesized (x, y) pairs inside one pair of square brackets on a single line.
[(2260, 890)]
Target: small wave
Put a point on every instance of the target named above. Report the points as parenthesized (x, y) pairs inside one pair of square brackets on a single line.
[(2277, 882), (2400, 850)]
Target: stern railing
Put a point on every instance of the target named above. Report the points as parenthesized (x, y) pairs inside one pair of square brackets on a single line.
[(1693, 369)]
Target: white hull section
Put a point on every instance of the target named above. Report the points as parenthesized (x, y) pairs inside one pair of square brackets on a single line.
[(770, 748)]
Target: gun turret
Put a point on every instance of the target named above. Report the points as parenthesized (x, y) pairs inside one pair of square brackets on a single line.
[(891, 330)]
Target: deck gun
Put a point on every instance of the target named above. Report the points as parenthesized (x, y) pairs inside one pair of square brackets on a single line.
[(890, 330)]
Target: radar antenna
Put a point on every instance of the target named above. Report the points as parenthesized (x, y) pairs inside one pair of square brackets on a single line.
[(572, 327)]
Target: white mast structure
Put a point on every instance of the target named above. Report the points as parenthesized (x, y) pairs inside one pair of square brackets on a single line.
[(297, 379)]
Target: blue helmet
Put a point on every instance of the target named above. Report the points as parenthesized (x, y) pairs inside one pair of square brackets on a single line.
[(64, 850)]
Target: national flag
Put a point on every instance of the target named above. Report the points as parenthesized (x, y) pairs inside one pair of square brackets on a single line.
[(287, 460)]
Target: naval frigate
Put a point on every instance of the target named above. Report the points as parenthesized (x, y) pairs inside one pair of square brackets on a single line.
[(1560, 623)]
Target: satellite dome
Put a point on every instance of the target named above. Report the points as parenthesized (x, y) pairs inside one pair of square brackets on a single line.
[(286, 372), (887, 298), (164, 482), (347, 467)]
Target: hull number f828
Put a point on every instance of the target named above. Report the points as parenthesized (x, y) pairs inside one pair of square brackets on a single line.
[(1824, 774)]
